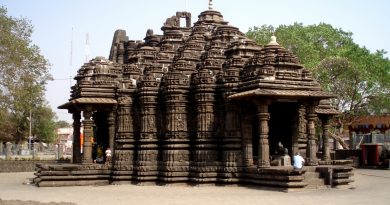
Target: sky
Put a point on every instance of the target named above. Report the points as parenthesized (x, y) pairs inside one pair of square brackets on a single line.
[(61, 27)]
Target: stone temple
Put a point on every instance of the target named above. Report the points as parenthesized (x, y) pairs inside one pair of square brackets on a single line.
[(198, 103)]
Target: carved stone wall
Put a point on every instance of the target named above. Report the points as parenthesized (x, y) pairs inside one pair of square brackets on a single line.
[(193, 103)]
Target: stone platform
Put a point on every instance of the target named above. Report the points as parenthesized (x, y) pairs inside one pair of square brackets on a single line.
[(282, 177)]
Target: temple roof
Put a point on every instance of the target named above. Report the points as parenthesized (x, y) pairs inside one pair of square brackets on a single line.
[(87, 101), (282, 93), (211, 44), (325, 108)]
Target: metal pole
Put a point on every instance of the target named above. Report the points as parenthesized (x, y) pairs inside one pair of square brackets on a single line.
[(29, 135)]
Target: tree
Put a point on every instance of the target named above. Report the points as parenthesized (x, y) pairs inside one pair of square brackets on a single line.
[(62, 124), (45, 129), (23, 76), (360, 79)]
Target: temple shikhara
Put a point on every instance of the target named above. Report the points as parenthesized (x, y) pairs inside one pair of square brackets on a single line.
[(199, 103)]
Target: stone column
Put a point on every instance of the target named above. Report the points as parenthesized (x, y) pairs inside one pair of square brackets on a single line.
[(111, 128), (87, 147), (123, 160), (205, 155), (8, 150), (246, 126), (325, 139), (311, 152), (263, 116), (176, 142), (76, 138), (147, 153)]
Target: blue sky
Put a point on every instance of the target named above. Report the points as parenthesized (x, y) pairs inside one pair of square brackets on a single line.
[(53, 22)]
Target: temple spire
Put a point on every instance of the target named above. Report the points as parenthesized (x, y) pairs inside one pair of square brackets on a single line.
[(273, 40), (210, 4)]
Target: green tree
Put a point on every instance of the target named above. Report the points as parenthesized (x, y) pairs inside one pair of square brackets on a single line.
[(62, 124), (359, 78), (45, 126), (23, 76)]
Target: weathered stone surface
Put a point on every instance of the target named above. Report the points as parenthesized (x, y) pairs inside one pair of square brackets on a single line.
[(199, 103)]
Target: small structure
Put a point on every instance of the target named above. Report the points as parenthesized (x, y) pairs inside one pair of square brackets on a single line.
[(371, 134), (65, 139), (200, 104)]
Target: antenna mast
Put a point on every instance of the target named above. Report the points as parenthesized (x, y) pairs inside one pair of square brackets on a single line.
[(71, 59), (86, 47)]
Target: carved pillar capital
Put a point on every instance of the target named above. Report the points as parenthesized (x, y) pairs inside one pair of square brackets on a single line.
[(87, 115)]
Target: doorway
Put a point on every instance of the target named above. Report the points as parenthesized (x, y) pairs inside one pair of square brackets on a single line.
[(281, 125), (101, 136)]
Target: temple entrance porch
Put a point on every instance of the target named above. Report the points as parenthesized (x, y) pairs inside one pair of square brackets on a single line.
[(282, 126), (271, 126)]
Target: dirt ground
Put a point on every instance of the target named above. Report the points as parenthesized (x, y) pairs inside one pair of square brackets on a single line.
[(370, 187)]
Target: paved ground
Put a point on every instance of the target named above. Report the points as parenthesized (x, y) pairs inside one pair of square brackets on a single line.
[(371, 187)]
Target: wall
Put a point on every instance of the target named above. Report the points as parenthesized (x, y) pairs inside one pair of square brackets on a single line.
[(20, 165)]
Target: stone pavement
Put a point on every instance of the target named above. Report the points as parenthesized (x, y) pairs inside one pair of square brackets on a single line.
[(370, 187)]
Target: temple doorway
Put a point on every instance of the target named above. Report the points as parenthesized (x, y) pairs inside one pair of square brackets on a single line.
[(101, 136), (282, 125)]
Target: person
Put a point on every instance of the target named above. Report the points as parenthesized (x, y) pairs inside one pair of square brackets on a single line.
[(108, 155), (280, 149), (298, 161)]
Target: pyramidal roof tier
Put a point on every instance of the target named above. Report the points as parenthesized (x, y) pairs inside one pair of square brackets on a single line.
[(210, 43)]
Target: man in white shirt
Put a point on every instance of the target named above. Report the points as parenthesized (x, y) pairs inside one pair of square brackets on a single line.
[(298, 161), (108, 155)]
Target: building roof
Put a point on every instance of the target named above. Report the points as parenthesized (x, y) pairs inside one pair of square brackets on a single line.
[(282, 93), (84, 101), (211, 44), (370, 123)]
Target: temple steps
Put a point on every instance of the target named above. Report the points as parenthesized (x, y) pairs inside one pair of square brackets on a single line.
[(342, 176), (284, 177), (328, 176), (50, 175), (314, 180)]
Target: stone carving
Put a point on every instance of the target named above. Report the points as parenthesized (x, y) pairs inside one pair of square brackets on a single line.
[(195, 104)]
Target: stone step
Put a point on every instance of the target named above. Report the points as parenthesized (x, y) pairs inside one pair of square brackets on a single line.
[(314, 180)]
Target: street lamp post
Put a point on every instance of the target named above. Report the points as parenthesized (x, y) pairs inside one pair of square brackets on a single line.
[(29, 134)]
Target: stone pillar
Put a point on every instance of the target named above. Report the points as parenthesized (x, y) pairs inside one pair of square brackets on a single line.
[(311, 149), (147, 152), (205, 155), (123, 160), (8, 150), (76, 138), (87, 147), (175, 145), (263, 116), (325, 139), (246, 126), (111, 129)]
